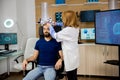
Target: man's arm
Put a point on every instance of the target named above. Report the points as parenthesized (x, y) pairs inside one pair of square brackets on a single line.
[(32, 58), (58, 64), (61, 55)]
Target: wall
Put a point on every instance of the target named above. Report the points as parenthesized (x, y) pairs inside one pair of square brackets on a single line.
[(7, 10), (23, 13), (25, 20), (76, 5)]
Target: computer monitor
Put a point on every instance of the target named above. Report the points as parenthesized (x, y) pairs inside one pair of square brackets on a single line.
[(58, 16), (107, 26), (88, 15), (87, 34), (8, 39)]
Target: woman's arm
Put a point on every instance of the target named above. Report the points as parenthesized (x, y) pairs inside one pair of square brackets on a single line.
[(65, 34), (52, 32)]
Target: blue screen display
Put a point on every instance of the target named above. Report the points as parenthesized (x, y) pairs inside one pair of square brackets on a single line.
[(8, 38), (108, 27), (87, 33)]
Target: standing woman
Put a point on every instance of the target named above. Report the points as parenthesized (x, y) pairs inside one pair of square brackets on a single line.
[(68, 36)]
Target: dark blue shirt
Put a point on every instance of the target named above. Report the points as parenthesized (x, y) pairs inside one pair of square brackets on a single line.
[(48, 51)]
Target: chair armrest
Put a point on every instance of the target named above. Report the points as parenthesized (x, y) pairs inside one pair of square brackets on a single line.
[(16, 59), (34, 64), (59, 72)]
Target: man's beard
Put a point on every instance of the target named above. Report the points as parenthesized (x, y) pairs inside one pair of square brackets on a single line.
[(47, 35)]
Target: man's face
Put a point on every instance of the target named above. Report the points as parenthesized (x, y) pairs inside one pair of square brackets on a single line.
[(46, 31)]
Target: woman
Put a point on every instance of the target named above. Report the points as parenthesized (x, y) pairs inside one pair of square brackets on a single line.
[(69, 38)]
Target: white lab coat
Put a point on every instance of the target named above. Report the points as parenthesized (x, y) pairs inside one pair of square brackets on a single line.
[(69, 38)]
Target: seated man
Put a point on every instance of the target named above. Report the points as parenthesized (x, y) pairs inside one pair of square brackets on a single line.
[(46, 53)]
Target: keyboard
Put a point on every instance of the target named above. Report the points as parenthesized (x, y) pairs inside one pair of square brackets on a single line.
[(2, 50), (5, 52)]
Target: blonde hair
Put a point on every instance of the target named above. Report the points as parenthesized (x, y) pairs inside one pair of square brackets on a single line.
[(70, 19)]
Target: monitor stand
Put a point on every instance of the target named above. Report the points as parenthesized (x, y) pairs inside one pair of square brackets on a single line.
[(115, 62), (6, 46)]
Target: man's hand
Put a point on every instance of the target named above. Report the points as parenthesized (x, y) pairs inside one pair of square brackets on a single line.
[(58, 65), (24, 64)]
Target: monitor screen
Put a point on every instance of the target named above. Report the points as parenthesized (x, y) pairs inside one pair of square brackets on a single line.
[(8, 38), (88, 15), (87, 33), (107, 26), (58, 16)]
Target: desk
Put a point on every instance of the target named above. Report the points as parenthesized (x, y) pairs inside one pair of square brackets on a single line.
[(7, 56), (1, 57)]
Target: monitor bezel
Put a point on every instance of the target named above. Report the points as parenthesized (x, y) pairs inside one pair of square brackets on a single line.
[(11, 43), (95, 29), (97, 10)]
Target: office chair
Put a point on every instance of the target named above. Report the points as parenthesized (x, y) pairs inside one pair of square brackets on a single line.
[(56, 27), (29, 50)]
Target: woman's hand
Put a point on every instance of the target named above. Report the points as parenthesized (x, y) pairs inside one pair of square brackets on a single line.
[(51, 24)]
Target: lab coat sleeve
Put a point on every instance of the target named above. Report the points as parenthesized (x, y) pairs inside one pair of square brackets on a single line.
[(52, 32), (61, 35)]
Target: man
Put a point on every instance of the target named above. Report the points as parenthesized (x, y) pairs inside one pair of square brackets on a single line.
[(46, 53)]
